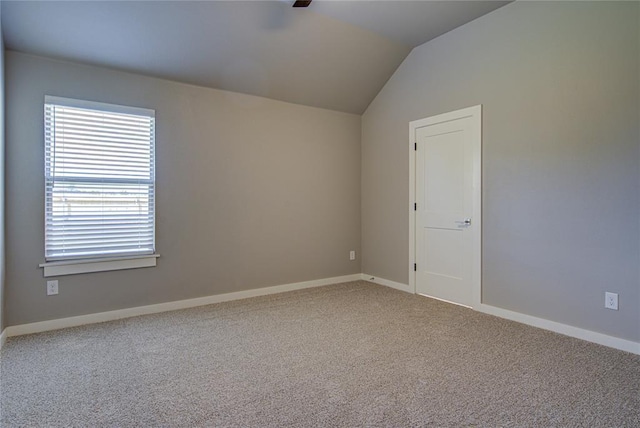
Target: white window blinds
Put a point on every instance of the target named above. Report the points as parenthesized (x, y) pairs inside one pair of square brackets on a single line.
[(99, 180)]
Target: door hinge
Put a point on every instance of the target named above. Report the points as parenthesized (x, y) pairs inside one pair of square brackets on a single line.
[(415, 207), (415, 267), (415, 146)]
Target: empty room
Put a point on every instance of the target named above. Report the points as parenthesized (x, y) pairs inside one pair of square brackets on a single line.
[(319, 213)]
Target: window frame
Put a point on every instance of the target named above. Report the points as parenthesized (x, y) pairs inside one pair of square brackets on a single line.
[(101, 262)]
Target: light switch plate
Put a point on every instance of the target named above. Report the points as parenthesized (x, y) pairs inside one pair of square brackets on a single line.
[(52, 287), (611, 300)]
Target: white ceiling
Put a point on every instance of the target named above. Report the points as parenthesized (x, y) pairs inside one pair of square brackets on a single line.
[(411, 23), (334, 54)]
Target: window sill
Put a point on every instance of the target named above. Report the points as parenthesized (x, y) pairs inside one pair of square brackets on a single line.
[(72, 267)]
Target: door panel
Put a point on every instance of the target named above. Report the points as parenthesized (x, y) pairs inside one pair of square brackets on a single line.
[(444, 196), (442, 253), (442, 161)]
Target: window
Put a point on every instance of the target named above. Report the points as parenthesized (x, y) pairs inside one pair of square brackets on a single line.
[(99, 182)]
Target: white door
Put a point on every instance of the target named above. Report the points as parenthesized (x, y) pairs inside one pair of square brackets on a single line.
[(447, 210)]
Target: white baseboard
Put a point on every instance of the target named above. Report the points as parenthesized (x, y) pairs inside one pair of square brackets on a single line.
[(38, 327), (567, 330), (386, 282)]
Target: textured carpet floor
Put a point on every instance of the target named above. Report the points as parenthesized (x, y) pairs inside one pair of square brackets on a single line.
[(353, 354)]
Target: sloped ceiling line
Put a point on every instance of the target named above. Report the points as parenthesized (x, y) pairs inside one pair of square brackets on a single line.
[(334, 54)]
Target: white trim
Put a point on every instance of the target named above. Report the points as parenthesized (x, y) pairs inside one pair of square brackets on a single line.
[(444, 300), (412, 201), (567, 330), (556, 327), (94, 105), (475, 113), (38, 327), (579, 333), (387, 283), (72, 267), (95, 260)]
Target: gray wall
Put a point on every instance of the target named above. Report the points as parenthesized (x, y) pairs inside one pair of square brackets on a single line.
[(559, 85), (2, 169), (250, 192)]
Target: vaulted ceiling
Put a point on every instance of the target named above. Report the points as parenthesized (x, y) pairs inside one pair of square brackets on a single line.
[(334, 54)]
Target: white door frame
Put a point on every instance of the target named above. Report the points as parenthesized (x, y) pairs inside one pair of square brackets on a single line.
[(475, 113)]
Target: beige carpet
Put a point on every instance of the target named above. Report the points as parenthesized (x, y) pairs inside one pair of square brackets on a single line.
[(346, 355)]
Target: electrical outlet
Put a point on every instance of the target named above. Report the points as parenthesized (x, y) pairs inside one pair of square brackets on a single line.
[(52, 287), (352, 255), (611, 300)]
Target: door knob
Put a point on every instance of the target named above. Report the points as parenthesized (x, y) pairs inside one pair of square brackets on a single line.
[(465, 222)]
